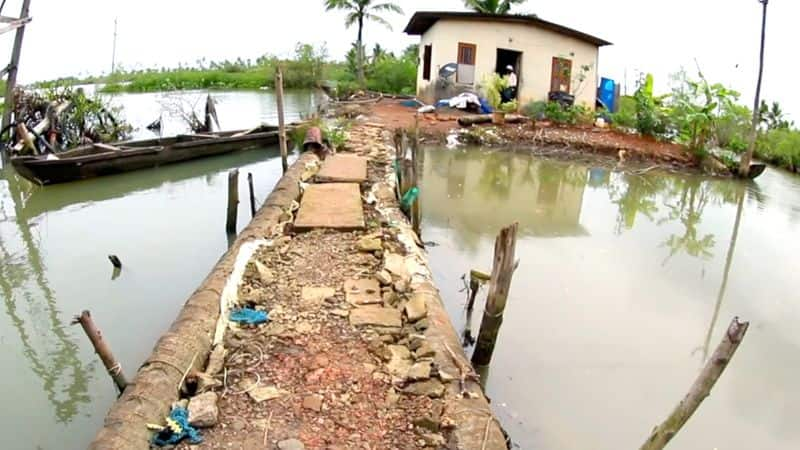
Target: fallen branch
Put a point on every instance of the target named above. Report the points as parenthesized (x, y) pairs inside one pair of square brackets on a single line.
[(701, 388)]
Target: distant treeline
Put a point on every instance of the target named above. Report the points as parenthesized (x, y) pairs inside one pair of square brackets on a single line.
[(309, 68)]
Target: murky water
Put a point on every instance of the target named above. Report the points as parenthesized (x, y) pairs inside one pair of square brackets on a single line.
[(168, 227), (621, 294)]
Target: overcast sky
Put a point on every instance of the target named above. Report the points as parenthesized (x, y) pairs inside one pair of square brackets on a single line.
[(75, 36)]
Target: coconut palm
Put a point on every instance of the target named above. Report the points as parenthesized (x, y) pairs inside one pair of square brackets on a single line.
[(358, 12), (492, 6), (744, 165)]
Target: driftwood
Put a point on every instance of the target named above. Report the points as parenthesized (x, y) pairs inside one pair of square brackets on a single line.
[(701, 388), (502, 271), (148, 398), (477, 119)]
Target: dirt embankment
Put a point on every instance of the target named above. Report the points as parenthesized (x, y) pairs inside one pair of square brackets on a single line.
[(542, 137)]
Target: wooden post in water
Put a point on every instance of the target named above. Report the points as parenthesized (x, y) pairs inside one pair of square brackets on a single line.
[(103, 350), (416, 212), (252, 195), (502, 271), (701, 388), (281, 121), (233, 200), (11, 82)]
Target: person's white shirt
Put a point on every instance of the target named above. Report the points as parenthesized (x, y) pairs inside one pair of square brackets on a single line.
[(512, 80)]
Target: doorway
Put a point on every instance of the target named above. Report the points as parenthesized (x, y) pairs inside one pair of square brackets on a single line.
[(507, 58)]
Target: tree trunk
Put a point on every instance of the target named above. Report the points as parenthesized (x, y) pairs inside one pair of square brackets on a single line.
[(360, 51), (700, 389), (744, 166)]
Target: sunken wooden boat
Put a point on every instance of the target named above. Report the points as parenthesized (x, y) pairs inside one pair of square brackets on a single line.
[(98, 160)]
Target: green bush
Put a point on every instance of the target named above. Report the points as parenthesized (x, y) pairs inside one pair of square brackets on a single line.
[(651, 119), (535, 110), (393, 75), (625, 117), (781, 147), (557, 113)]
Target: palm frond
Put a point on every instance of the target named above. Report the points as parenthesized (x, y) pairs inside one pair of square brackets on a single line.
[(388, 7), (377, 19), (351, 19), (338, 4)]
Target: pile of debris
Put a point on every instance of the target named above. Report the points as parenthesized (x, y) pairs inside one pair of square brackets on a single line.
[(62, 118)]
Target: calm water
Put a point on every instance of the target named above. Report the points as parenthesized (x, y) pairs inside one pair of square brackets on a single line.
[(168, 227), (619, 297)]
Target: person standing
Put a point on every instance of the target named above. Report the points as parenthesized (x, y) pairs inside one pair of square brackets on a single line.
[(513, 81)]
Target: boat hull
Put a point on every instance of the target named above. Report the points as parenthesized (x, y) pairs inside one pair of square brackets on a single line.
[(135, 156)]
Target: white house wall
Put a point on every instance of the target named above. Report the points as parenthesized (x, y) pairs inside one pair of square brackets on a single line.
[(538, 47)]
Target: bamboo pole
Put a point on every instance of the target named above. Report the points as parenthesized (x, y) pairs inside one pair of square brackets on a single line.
[(701, 388), (252, 195), (502, 272), (11, 81), (233, 200), (281, 120), (102, 349)]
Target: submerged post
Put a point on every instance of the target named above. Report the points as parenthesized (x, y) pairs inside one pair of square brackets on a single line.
[(233, 200), (102, 349), (281, 121), (502, 271), (252, 195), (416, 212), (701, 388)]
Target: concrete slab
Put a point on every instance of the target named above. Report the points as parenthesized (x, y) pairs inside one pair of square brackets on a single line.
[(343, 169), (331, 205)]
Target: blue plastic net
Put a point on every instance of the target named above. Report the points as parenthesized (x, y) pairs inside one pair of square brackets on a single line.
[(249, 316), (177, 429)]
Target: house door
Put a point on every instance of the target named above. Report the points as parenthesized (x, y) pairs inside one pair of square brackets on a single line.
[(466, 63), (561, 77)]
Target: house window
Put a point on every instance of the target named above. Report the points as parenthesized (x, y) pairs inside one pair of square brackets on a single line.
[(426, 62), (561, 77), (466, 63)]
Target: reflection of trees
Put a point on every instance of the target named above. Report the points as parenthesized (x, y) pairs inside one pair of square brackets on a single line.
[(692, 201), (58, 364), (637, 197), (497, 176)]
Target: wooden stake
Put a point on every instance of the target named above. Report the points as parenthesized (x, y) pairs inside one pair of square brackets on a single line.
[(11, 82), (281, 121), (252, 195), (416, 212), (102, 349), (502, 272), (701, 388), (233, 200)]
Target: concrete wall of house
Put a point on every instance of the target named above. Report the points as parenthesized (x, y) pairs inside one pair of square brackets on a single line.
[(538, 47)]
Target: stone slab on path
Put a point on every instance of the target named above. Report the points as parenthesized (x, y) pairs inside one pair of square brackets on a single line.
[(343, 169), (331, 205)]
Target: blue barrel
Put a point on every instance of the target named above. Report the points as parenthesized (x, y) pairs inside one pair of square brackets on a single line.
[(607, 93)]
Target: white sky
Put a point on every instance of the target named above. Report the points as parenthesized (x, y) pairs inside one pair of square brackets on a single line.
[(69, 37)]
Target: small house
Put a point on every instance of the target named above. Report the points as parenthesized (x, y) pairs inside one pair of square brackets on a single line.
[(459, 49)]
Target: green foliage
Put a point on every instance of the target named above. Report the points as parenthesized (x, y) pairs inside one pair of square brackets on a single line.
[(772, 117), (509, 107), (535, 110), (492, 87), (780, 146), (625, 117), (492, 6), (393, 75), (696, 108), (558, 113), (732, 127), (650, 115), (334, 132)]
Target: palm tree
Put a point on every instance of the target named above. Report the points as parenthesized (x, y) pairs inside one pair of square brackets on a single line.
[(359, 11), (492, 6), (744, 166)]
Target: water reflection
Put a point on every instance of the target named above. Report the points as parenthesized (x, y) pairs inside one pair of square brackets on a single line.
[(50, 351), (626, 283)]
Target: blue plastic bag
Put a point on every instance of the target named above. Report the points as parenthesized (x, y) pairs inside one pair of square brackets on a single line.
[(248, 316)]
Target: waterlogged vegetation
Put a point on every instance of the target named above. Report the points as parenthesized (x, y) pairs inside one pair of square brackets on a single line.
[(698, 114)]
